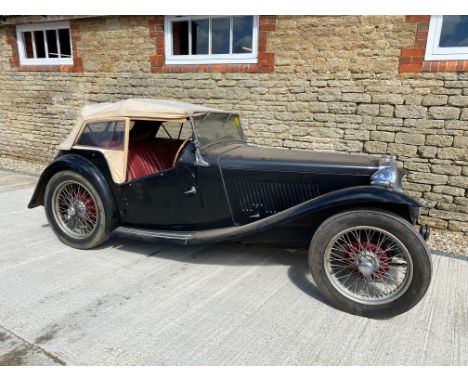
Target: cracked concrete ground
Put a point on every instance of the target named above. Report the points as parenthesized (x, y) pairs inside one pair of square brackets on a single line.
[(133, 303)]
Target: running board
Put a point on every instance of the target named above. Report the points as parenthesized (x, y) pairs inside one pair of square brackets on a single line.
[(208, 236), (153, 234)]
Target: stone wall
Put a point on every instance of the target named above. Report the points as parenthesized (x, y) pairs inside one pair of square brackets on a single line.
[(335, 86)]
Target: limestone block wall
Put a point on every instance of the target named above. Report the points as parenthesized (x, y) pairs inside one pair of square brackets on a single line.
[(335, 86)]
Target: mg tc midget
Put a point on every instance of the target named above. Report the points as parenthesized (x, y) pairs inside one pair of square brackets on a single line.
[(176, 172)]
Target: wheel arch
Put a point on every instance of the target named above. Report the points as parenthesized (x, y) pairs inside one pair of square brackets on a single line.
[(371, 197), (83, 167), (311, 214), (406, 211)]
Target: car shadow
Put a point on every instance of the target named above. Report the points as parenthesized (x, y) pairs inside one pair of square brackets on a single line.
[(229, 254)]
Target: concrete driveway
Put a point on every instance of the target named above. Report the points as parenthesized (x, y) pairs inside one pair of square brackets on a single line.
[(132, 303)]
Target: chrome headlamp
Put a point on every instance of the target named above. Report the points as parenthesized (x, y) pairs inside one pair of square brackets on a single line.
[(388, 175)]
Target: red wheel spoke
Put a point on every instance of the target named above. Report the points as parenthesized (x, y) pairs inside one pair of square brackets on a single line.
[(368, 264), (75, 209)]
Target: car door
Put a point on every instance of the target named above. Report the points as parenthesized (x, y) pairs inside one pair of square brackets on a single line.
[(169, 199)]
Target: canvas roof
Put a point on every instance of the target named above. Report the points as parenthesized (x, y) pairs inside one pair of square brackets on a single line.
[(145, 107), (160, 109)]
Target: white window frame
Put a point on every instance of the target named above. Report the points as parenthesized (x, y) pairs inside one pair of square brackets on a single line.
[(434, 51), (231, 58), (20, 29)]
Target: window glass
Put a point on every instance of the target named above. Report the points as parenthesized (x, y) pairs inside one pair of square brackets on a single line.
[(216, 127), (52, 43), (106, 135), (200, 36), (242, 27), (28, 47), (454, 31), (40, 46), (64, 37), (180, 39), (220, 34)]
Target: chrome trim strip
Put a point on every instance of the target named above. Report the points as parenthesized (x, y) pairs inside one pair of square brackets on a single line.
[(152, 233)]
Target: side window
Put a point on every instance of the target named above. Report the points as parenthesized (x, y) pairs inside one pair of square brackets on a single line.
[(175, 130), (106, 135)]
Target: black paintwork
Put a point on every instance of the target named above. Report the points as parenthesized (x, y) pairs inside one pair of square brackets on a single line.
[(245, 192), (297, 216)]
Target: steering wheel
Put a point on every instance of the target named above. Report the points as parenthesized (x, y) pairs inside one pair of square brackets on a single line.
[(179, 151)]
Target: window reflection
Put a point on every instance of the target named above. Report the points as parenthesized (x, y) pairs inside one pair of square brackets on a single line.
[(242, 34), (454, 31), (220, 30), (200, 36)]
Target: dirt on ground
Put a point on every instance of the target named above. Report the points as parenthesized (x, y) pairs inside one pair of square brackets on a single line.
[(454, 242)]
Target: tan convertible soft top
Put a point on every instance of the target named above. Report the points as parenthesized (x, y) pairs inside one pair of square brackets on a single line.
[(145, 107), (136, 107)]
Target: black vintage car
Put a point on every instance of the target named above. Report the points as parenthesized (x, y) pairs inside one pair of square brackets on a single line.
[(181, 173)]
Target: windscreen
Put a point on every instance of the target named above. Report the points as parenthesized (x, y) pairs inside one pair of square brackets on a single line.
[(218, 127)]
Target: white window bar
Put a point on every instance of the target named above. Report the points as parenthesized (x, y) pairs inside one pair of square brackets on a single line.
[(33, 40), (58, 43), (46, 45)]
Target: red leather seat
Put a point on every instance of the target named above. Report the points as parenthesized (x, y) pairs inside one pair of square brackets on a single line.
[(147, 157), (115, 144)]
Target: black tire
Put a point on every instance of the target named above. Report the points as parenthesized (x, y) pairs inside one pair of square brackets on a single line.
[(101, 230), (416, 287)]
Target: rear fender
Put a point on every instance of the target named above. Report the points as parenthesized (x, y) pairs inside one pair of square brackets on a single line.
[(83, 167)]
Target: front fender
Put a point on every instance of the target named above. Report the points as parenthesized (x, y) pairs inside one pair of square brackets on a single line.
[(83, 167), (362, 196)]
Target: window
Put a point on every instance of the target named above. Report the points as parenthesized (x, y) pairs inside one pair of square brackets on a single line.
[(211, 40), (216, 127), (175, 130), (44, 44), (106, 135), (447, 38)]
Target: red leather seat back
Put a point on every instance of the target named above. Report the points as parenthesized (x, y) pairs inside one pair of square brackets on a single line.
[(147, 157)]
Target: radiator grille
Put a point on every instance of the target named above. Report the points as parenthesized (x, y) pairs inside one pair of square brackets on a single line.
[(272, 197)]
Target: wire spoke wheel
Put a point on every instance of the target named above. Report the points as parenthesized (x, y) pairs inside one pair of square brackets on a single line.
[(74, 209), (368, 265)]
